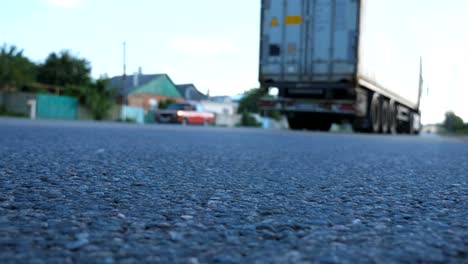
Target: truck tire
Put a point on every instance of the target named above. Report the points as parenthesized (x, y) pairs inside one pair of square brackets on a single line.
[(410, 125), (411, 129), (385, 116), (323, 126), (375, 113), (318, 123), (392, 118), (362, 125), (295, 123)]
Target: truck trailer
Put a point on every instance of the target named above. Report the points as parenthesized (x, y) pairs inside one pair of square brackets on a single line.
[(334, 61)]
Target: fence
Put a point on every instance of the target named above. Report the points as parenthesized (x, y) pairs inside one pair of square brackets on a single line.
[(16, 102), (56, 107), (134, 113), (63, 107)]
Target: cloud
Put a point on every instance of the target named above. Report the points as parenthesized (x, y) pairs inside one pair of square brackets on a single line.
[(197, 45), (65, 3)]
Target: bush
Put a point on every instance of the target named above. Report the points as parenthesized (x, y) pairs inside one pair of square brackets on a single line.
[(463, 130), (275, 115), (249, 103), (165, 104), (248, 120), (99, 105), (97, 97), (127, 120)]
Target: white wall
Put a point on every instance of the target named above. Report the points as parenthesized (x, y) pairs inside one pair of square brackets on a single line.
[(219, 108), (227, 120)]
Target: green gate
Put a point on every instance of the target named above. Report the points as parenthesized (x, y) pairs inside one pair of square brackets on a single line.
[(56, 107)]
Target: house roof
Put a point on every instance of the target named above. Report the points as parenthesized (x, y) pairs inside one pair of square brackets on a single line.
[(143, 79), (190, 92), (162, 85)]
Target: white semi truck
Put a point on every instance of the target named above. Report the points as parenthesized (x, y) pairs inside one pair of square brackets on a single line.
[(329, 61)]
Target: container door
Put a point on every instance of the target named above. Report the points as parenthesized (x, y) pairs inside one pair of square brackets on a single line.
[(284, 39), (333, 36), (309, 40)]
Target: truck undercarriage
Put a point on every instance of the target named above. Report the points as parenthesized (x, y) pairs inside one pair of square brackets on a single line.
[(316, 108)]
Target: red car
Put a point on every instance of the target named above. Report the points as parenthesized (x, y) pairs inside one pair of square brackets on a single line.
[(185, 113)]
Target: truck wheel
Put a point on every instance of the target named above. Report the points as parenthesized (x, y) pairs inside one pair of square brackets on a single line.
[(295, 123), (392, 118), (324, 126), (319, 124), (412, 131), (375, 113), (385, 117), (410, 125), (361, 125)]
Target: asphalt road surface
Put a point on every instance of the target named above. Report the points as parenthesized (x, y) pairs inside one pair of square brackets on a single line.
[(83, 192)]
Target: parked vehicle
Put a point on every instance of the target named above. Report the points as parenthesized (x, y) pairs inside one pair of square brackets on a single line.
[(185, 113), (347, 60)]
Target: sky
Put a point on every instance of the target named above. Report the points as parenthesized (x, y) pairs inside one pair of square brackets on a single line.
[(214, 43)]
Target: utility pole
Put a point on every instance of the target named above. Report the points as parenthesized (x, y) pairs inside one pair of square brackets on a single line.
[(124, 69), (421, 82), (124, 58)]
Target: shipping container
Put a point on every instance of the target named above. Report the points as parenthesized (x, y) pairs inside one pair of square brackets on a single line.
[(333, 60)]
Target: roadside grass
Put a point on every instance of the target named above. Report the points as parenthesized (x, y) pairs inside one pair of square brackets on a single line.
[(127, 120), (457, 132), (463, 131), (5, 113)]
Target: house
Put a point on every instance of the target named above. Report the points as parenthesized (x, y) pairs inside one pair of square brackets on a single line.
[(145, 90), (227, 98), (432, 129), (221, 99), (191, 93), (225, 112)]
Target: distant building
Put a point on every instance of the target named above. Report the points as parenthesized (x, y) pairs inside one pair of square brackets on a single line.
[(219, 108), (432, 128), (145, 90), (221, 99), (190, 93)]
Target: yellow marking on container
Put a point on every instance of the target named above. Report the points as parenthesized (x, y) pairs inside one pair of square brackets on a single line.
[(274, 22), (292, 49), (293, 20)]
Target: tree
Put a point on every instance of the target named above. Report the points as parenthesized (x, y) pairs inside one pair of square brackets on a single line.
[(96, 96), (74, 75), (99, 99), (249, 101), (64, 69), (248, 120), (15, 69), (453, 122)]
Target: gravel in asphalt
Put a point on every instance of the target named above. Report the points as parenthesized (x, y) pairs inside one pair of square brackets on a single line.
[(84, 192)]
